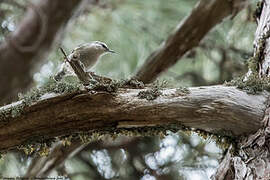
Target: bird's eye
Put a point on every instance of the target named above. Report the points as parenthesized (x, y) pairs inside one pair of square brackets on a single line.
[(104, 46)]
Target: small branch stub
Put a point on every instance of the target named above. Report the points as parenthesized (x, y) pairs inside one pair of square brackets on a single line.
[(78, 68)]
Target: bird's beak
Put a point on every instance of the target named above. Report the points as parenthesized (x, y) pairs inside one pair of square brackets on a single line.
[(111, 51)]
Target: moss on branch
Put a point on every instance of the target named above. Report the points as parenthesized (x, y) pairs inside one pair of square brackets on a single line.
[(253, 85)]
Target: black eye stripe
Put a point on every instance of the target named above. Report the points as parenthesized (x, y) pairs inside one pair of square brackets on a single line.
[(104, 46)]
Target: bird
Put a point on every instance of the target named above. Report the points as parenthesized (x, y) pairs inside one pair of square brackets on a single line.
[(88, 54)]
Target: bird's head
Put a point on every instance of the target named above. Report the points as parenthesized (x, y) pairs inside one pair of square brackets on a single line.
[(92, 49), (102, 47), (95, 47), (89, 53)]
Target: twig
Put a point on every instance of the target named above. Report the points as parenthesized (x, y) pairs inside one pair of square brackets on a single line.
[(64, 53), (76, 65)]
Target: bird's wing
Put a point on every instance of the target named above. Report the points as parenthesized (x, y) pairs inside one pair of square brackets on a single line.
[(79, 47)]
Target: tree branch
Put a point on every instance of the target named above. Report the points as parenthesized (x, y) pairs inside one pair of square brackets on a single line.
[(251, 157), (42, 166), (262, 40), (213, 109), (187, 35), (29, 44)]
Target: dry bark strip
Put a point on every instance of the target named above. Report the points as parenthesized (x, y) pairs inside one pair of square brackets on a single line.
[(263, 31), (187, 35), (251, 156), (26, 47), (213, 109)]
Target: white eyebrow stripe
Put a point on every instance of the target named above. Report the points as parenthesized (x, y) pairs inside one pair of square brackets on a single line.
[(102, 44)]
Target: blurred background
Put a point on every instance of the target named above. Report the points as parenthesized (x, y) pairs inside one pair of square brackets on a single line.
[(134, 29)]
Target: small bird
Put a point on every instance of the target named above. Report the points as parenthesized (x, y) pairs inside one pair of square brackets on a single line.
[(88, 54)]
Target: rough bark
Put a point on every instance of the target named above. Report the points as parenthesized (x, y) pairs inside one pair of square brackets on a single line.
[(28, 45), (187, 35), (251, 157), (213, 109), (262, 40)]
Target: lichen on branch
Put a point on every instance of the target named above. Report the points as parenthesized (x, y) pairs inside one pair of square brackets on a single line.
[(253, 85), (35, 94)]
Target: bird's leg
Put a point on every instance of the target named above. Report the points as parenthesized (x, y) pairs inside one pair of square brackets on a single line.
[(92, 75)]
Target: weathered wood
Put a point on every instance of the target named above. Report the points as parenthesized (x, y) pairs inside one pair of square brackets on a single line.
[(263, 31), (213, 109), (251, 159)]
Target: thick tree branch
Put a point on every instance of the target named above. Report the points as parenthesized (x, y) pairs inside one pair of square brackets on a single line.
[(213, 109), (261, 42), (29, 44), (187, 35)]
